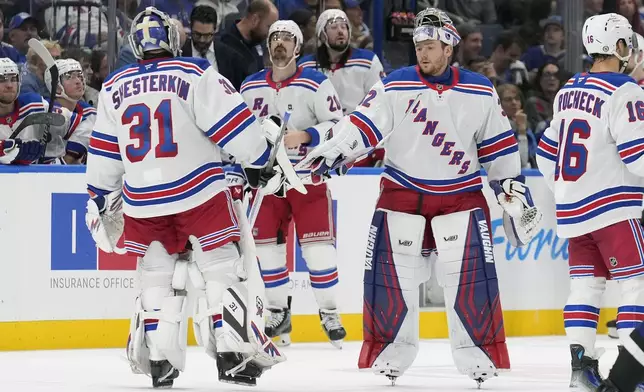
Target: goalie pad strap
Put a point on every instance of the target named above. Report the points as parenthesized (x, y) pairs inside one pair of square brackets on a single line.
[(466, 271), (391, 278)]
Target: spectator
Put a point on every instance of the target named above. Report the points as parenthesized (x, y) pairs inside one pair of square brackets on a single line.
[(592, 8), (475, 11), (552, 49), (100, 70), (22, 28), (33, 78), (223, 8), (176, 9), (539, 107), (248, 35), (7, 50), (360, 34), (333, 5), (225, 60), (306, 20), (505, 59), (512, 104), (478, 64), (288, 7), (470, 46), (628, 9)]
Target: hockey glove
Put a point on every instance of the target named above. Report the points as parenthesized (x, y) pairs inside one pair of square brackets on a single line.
[(321, 170), (104, 219), (521, 218), (20, 152)]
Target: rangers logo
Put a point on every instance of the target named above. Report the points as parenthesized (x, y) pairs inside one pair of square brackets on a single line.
[(612, 261), (290, 107)]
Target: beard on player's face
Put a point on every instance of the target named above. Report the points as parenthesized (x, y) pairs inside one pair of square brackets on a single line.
[(431, 57), (280, 55)]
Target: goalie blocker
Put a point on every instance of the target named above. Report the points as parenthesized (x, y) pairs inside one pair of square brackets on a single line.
[(394, 269)]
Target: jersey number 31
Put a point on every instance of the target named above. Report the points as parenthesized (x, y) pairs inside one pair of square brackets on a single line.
[(572, 157), (140, 114)]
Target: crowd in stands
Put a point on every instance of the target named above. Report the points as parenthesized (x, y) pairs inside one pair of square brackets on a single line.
[(517, 44)]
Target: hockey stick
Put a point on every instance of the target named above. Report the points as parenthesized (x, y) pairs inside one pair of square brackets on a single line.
[(49, 61), (55, 119), (305, 163), (259, 195)]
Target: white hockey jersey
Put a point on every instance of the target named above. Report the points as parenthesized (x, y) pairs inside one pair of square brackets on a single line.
[(308, 95), (591, 155), (158, 134), (73, 137), (442, 132), (353, 79), (25, 104)]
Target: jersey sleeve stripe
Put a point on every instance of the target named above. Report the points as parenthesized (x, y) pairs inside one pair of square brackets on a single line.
[(225, 130), (371, 136), (549, 142), (630, 144), (546, 150), (632, 154), (180, 189), (497, 146), (75, 147), (104, 145)]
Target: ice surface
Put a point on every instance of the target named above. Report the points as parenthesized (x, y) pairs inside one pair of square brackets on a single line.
[(538, 364)]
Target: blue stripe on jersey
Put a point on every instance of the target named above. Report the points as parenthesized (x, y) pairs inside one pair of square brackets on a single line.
[(473, 92), (587, 87), (599, 203)]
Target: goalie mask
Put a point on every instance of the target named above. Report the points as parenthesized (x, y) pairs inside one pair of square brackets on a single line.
[(284, 43), (153, 30), (334, 30), (68, 69), (9, 74), (434, 24)]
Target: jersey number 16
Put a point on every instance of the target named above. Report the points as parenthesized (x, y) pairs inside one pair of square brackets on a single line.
[(572, 157), (142, 131)]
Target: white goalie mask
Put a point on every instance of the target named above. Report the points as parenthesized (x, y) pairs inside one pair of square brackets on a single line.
[(9, 69), (434, 24), (638, 55), (330, 17), (66, 69), (285, 30)]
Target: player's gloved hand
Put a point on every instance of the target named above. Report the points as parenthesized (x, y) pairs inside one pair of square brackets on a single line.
[(321, 170), (104, 219), (521, 218), (21, 151)]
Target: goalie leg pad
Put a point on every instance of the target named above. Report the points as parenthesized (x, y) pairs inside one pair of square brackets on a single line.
[(323, 272), (390, 308), (272, 259), (631, 309), (467, 273)]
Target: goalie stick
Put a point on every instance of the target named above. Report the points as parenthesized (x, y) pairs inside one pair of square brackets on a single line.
[(47, 119)]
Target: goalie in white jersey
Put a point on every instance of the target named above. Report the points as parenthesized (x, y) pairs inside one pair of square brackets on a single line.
[(156, 151), (314, 107), (592, 159), (441, 126)]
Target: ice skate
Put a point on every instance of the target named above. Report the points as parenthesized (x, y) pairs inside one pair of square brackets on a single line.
[(612, 329), (279, 323), (330, 320), (163, 374), (585, 372), (233, 370)]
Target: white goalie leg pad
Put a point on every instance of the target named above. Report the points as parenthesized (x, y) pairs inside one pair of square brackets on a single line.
[(394, 269), (161, 313), (138, 353), (581, 313), (323, 273), (466, 271), (275, 275), (631, 308)]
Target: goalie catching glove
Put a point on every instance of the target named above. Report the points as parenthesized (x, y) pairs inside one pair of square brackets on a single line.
[(521, 218), (104, 219)]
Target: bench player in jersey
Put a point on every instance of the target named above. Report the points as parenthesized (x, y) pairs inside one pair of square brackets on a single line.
[(314, 107), (352, 71), (591, 157), (627, 373), (443, 124), (156, 151), (14, 107), (70, 145)]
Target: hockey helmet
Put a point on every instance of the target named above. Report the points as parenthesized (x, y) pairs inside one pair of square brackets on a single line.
[(153, 30), (602, 32), (329, 17), (7, 68), (434, 24), (65, 67)]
